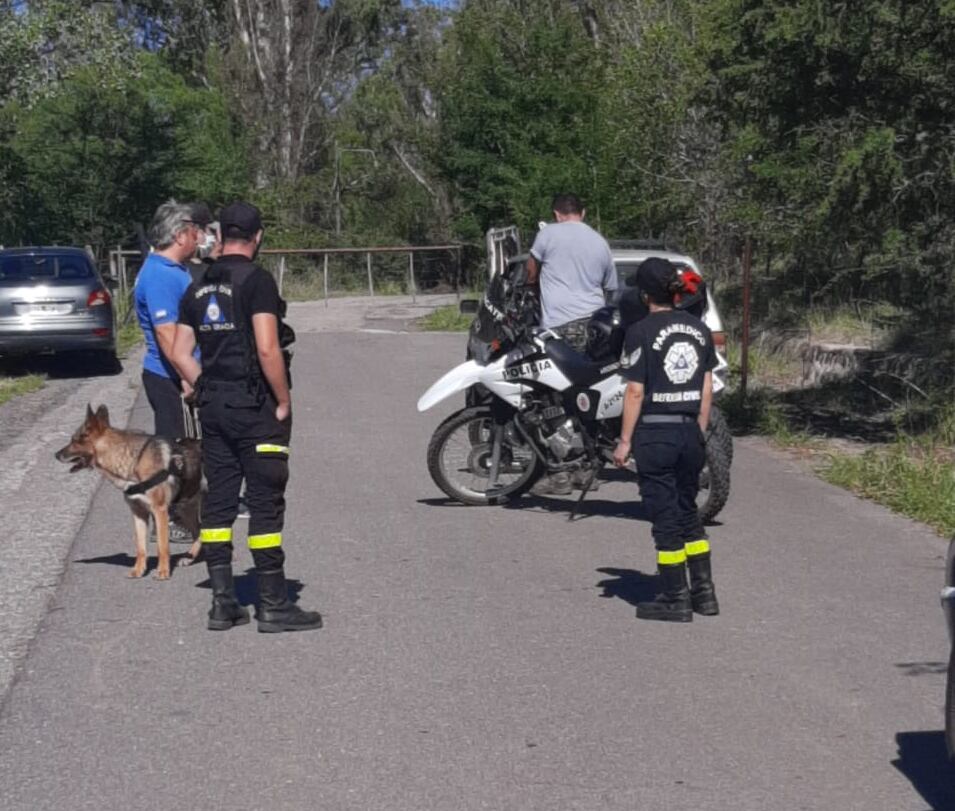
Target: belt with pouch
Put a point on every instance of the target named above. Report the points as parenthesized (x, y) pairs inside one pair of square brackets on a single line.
[(652, 419), (239, 393)]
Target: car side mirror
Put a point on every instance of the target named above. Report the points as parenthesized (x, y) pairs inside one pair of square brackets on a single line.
[(469, 306)]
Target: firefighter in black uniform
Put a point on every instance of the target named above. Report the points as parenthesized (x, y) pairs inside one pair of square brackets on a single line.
[(242, 389), (669, 358)]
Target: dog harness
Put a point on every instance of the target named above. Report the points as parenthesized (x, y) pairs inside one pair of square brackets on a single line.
[(139, 488), (176, 465)]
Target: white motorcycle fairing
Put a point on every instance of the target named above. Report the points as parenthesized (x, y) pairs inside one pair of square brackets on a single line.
[(503, 378)]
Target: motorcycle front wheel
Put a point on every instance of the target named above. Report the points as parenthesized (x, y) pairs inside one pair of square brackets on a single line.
[(461, 456)]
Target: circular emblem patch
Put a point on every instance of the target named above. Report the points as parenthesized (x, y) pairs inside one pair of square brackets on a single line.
[(681, 362), (583, 402), (213, 312)]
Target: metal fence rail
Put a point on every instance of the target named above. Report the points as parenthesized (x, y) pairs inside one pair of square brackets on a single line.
[(321, 272)]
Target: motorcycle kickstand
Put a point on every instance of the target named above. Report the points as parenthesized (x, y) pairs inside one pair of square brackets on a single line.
[(584, 491), (497, 439)]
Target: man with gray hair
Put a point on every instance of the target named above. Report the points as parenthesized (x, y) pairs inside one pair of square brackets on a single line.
[(161, 281), (160, 284)]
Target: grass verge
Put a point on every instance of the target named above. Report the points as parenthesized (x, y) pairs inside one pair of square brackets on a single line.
[(127, 338), (446, 319), (912, 477), (11, 387)]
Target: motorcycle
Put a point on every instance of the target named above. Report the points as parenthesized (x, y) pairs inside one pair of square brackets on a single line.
[(536, 406)]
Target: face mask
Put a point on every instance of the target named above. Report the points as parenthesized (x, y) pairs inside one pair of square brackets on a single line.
[(207, 243)]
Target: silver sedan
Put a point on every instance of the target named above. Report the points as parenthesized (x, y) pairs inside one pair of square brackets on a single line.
[(53, 299)]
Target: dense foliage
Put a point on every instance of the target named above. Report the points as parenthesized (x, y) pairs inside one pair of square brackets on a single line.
[(821, 130)]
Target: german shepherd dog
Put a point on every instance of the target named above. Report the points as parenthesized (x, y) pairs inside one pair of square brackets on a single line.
[(157, 477)]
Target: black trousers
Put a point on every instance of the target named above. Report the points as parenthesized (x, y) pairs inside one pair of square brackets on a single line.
[(163, 396), (241, 438), (669, 459)]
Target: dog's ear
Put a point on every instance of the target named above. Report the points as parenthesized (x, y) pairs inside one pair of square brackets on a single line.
[(89, 412), (102, 415)]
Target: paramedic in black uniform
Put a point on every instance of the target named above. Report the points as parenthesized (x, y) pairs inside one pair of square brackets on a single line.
[(669, 358), (242, 389)]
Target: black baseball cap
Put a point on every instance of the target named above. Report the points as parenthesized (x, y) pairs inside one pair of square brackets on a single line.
[(654, 277), (240, 220), (201, 215)]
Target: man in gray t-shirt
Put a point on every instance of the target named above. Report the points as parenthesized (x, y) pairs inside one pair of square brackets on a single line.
[(573, 264), (575, 270)]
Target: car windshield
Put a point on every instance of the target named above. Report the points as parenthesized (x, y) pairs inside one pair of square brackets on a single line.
[(44, 267), (625, 270)]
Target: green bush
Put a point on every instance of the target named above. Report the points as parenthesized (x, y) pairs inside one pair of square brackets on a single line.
[(446, 319)]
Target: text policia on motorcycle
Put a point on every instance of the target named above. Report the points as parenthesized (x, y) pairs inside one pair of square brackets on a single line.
[(234, 312), (669, 359)]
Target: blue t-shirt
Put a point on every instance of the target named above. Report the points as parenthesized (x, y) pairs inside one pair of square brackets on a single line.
[(159, 287)]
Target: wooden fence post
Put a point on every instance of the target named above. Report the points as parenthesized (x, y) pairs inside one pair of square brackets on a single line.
[(744, 348), (120, 269), (371, 284), (411, 276), (325, 274), (281, 273), (457, 274)]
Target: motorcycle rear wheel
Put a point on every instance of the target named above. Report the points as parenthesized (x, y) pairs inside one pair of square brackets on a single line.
[(461, 467), (719, 431), (714, 481)]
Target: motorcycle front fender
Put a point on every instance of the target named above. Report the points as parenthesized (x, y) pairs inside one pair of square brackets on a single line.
[(458, 379)]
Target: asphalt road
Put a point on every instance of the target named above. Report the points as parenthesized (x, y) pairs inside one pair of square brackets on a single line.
[(488, 658)]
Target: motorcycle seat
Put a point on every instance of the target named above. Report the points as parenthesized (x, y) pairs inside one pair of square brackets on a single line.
[(577, 367)]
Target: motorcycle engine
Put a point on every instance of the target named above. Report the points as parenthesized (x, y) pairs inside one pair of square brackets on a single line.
[(565, 440)]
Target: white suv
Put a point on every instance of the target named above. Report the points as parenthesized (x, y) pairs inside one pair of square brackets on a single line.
[(627, 256)]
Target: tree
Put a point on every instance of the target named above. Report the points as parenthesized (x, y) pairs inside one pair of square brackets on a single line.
[(295, 62), (92, 163), (43, 43), (845, 110), (518, 108)]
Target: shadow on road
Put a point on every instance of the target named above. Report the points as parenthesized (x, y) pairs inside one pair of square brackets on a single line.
[(65, 366), (126, 561), (612, 509), (924, 761), (633, 510), (441, 502), (245, 590), (922, 668), (630, 585)]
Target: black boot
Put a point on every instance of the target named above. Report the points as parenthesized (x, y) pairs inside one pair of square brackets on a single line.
[(276, 613), (226, 611), (702, 591), (673, 605)]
